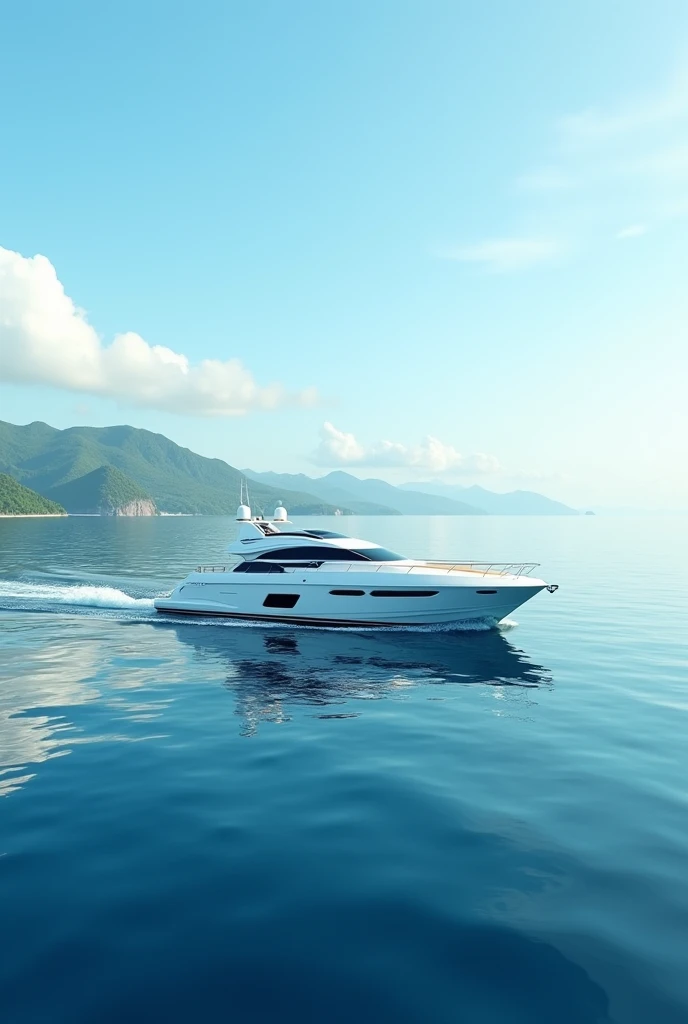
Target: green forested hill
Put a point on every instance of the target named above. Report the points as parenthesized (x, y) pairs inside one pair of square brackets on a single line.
[(103, 491), (177, 479), (17, 500)]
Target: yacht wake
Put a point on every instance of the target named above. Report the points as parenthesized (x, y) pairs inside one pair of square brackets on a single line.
[(31, 596), (469, 626)]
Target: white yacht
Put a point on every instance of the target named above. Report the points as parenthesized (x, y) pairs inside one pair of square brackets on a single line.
[(320, 578)]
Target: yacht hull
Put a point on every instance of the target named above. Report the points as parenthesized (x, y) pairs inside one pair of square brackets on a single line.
[(332, 601)]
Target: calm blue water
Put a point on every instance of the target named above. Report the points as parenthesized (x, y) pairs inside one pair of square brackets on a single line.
[(225, 822)]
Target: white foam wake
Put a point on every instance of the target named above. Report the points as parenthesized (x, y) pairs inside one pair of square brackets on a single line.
[(85, 595)]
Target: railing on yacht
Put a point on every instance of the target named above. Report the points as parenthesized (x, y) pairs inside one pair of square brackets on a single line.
[(479, 568), (485, 568)]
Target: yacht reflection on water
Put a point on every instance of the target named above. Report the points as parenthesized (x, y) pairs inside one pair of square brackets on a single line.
[(271, 670)]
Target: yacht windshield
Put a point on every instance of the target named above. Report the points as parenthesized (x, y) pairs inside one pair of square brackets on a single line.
[(379, 554)]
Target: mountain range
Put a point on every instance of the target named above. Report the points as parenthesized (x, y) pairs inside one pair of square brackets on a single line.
[(512, 503), (123, 470), (61, 465), (368, 497), (376, 497)]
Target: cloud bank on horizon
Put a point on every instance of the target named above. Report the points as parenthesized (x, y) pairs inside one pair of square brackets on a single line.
[(46, 339), (339, 449)]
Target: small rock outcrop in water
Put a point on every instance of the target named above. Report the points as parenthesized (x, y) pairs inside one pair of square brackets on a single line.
[(105, 491)]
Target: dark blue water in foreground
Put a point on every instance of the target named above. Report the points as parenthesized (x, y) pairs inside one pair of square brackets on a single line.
[(239, 823)]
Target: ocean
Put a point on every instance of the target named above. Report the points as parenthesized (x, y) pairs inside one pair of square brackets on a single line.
[(206, 821)]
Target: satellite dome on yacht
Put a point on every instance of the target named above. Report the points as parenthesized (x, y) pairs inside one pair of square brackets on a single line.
[(319, 577)]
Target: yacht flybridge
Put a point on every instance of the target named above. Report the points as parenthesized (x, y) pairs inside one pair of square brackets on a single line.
[(316, 577)]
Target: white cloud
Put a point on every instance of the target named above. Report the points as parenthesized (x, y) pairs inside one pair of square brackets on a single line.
[(669, 162), (337, 448), (624, 162), (617, 163), (506, 254), (663, 107), (632, 231), (46, 339)]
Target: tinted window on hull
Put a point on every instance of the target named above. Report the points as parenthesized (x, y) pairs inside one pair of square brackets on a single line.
[(280, 600), (404, 593)]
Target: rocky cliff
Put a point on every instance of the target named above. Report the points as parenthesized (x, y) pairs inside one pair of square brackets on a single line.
[(139, 507)]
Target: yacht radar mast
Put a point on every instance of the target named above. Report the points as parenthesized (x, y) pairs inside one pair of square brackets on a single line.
[(244, 510)]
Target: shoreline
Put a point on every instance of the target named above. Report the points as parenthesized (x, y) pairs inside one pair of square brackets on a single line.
[(33, 515), (93, 515)]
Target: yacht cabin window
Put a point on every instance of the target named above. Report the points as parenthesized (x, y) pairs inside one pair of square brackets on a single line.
[(311, 554), (331, 554)]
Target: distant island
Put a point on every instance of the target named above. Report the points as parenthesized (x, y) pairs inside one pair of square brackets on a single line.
[(125, 471), (16, 500)]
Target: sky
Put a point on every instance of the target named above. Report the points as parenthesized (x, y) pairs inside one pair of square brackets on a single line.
[(414, 240)]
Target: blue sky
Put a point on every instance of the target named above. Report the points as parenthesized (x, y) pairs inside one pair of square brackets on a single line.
[(456, 233)]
